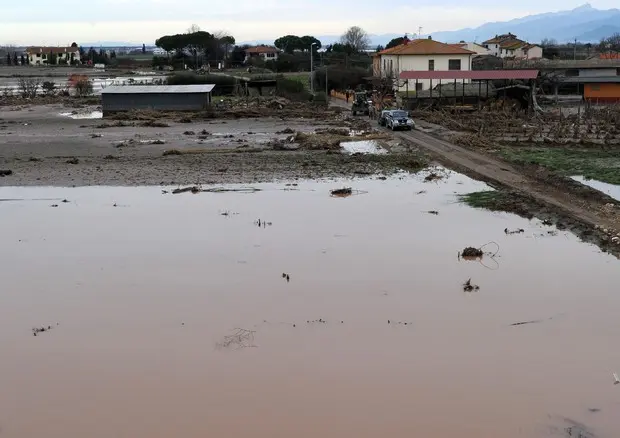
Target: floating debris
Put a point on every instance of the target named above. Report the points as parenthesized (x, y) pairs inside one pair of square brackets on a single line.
[(193, 189), (469, 287), (517, 231), (433, 177), (345, 191), (264, 224), (5, 172), (472, 252), (616, 379), (435, 212), (535, 321), (241, 338), (286, 277)]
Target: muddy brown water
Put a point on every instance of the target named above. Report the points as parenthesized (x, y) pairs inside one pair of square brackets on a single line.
[(142, 293)]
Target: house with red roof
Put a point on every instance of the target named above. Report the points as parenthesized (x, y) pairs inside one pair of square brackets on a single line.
[(509, 46), (266, 53), (420, 55)]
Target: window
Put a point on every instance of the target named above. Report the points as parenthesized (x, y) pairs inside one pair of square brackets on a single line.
[(419, 86), (454, 64), (431, 65)]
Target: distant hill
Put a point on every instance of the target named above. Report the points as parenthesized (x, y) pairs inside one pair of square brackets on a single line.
[(585, 23)]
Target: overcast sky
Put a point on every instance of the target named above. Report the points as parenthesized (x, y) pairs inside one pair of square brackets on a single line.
[(60, 22)]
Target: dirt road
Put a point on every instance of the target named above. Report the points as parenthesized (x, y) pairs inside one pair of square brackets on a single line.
[(503, 173)]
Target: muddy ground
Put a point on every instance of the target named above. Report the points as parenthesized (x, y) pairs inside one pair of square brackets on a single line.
[(42, 147)]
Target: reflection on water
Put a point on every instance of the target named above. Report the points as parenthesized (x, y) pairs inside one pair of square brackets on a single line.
[(83, 116), (609, 189), (168, 318)]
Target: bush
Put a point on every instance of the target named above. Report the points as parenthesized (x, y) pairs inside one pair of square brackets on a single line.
[(84, 87), (49, 87), (291, 89), (28, 87)]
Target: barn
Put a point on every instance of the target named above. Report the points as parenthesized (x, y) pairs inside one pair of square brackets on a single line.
[(118, 98)]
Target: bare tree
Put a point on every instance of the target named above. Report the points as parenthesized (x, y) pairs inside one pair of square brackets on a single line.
[(28, 87), (193, 28), (357, 38), (548, 42)]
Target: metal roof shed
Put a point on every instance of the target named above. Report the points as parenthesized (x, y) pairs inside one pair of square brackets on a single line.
[(156, 97)]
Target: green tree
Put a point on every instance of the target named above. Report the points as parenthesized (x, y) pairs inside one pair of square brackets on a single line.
[(8, 59), (307, 40), (289, 43), (143, 48), (395, 42), (15, 61), (23, 60)]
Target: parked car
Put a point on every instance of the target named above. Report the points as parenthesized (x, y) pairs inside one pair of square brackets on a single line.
[(399, 119), (383, 117)]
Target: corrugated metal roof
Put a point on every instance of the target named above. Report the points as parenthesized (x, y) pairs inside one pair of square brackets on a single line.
[(470, 74), (158, 89), (592, 80)]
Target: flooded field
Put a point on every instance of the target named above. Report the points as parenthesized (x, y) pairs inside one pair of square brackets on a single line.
[(287, 312), (11, 84), (609, 189)]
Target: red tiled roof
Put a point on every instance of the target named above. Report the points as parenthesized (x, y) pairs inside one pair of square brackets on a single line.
[(470, 74), (47, 50), (426, 47), (262, 49)]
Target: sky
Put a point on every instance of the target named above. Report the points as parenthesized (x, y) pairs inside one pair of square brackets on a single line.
[(61, 22)]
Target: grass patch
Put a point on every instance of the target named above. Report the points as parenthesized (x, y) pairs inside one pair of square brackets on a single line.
[(488, 199), (602, 165)]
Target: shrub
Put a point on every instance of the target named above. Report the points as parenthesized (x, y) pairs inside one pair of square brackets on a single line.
[(84, 87), (291, 89), (28, 87), (49, 87), (192, 78)]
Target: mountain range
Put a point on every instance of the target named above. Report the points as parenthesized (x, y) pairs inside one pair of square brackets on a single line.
[(584, 24)]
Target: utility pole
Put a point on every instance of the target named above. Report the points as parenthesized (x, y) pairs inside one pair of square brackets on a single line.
[(311, 68), (575, 51)]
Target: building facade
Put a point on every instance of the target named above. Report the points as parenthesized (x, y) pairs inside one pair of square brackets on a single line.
[(54, 55), (509, 46), (266, 53), (420, 55)]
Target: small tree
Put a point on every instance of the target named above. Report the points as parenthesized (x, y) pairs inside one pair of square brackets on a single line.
[(143, 48), (23, 60), (28, 87), (15, 62), (84, 87), (8, 59)]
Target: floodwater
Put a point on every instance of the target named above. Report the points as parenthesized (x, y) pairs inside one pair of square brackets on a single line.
[(609, 189), (139, 294), (363, 147), (99, 83), (84, 116)]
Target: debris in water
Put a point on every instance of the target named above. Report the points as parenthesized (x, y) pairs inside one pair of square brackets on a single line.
[(421, 192), (517, 231), (472, 252), (342, 193), (189, 133), (435, 212), (432, 177), (535, 321), (469, 287), (616, 379), (193, 189), (286, 277), (594, 410), (264, 224), (43, 329), (241, 338), (5, 172), (73, 161), (54, 205), (65, 201)]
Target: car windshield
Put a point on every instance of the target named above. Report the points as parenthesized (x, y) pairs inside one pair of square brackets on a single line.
[(399, 114)]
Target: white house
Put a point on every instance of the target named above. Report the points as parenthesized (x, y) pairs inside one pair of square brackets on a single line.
[(63, 55), (420, 55), (509, 46), (266, 53), (473, 47)]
